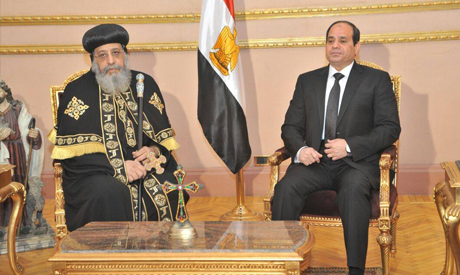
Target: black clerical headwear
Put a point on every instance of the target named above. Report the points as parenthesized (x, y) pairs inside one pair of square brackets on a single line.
[(105, 34)]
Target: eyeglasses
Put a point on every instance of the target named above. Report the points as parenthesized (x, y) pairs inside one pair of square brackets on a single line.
[(104, 55)]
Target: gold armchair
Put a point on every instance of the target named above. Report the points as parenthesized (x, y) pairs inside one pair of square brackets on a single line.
[(320, 209), (17, 193), (447, 200), (59, 211)]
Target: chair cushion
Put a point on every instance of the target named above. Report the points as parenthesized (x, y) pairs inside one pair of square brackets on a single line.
[(321, 203)]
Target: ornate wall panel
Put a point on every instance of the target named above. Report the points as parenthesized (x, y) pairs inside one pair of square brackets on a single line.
[(245, 44)]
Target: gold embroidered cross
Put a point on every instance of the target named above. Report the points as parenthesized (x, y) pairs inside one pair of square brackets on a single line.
[(76, 108), (181, 214)]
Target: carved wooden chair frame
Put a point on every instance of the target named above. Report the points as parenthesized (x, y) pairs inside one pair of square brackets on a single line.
[(59, 211), (17, 193), (446, 196)]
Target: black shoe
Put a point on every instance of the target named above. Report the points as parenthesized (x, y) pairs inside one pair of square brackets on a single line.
[(355, 271)]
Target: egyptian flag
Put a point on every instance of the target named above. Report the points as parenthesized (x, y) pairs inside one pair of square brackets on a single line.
[(220, 85)]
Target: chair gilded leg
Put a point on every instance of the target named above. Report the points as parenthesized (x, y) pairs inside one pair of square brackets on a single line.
[(384, 240), (451, 220), (59, 212), (394, 222), (17, 193), (443, 198)]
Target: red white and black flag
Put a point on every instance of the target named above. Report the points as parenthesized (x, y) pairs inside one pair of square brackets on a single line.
[(220, 85)]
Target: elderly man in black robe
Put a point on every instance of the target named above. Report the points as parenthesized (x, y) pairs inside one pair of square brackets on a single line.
[(95, 139)]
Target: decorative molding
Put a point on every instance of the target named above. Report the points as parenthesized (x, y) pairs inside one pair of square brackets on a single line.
[(348, 10), (248, 15), (99, 19), (245, 44), (40, 49)]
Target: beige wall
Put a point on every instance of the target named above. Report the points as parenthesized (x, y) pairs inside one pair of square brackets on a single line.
[(429, 70)]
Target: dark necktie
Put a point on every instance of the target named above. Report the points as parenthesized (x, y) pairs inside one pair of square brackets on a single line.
[(333, 108)]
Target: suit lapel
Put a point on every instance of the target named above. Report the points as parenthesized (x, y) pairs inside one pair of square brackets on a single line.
[(320, 92), (353, 82)]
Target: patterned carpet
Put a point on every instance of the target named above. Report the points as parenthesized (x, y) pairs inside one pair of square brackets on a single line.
[(339, 271)]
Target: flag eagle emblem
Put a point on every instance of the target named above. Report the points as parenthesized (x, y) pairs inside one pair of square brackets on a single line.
[(227, 51)]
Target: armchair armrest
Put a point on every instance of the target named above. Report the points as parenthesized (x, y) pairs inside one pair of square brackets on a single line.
[(387, 161), (389, 152), (16, 192), (279, 156), (274, 162)]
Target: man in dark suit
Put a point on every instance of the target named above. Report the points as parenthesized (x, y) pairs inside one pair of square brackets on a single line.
[(339, 120)]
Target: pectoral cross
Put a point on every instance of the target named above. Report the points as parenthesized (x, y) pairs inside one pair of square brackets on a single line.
[(156, 159), (181, 214)]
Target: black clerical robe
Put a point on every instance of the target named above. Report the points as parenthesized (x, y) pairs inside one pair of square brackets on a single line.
[(95, 134)]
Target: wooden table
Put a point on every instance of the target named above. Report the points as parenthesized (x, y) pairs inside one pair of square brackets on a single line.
[(243, 247), (447, 198), (6, 171)]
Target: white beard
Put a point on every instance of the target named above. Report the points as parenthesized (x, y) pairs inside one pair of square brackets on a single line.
[(113, 83)]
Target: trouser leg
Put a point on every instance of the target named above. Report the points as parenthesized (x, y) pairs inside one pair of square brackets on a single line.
[(353, 200), (298, 182)]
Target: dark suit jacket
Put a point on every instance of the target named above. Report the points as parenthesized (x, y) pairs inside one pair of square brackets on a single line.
[(368, 119)]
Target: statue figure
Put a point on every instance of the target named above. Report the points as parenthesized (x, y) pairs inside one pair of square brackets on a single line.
[(20, 145), (34, 207)]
